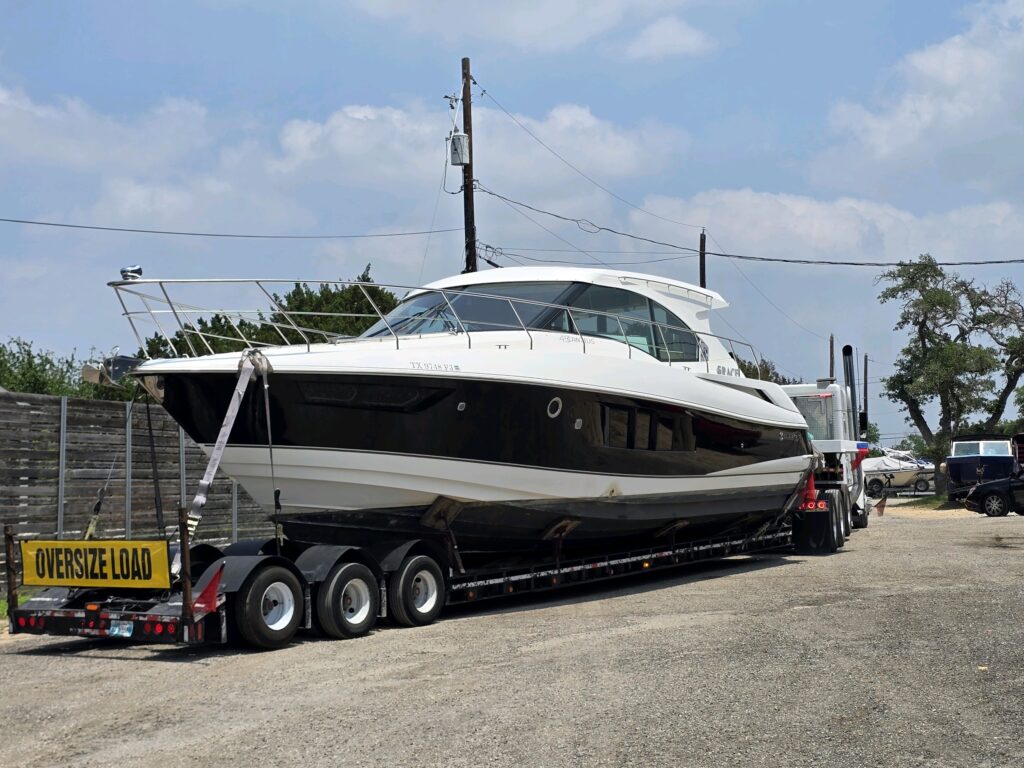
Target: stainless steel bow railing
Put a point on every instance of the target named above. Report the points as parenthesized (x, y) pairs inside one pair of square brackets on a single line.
[(193, 331)]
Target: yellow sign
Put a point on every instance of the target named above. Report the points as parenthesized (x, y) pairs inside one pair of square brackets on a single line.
[(96, 563)]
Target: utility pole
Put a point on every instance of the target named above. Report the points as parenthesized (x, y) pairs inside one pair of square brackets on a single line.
[(468, 211), (832, 356), (865, 389), (703, 272)]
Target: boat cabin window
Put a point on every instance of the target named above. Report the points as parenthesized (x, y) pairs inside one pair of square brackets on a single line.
[(597, 310)]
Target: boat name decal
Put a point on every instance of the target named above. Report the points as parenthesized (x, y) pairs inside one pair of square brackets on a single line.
[(726, 371), (426, 366)]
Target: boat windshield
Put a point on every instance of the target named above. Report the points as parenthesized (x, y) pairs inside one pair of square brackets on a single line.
[(597, 310), (982, 448)]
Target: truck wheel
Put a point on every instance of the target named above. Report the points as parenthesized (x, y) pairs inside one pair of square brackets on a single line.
[(922, 485), (860, 520), (416, 591), (836, 515), (875, 487), (268, 608), (347, 601), (994, 505)]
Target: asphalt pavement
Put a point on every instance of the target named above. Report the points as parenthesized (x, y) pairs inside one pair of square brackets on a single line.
[(905, 649)]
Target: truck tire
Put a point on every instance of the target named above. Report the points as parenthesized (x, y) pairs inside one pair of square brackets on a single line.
[(837, 514), (875, 487), (815, 533), (268, 607), (348, 601), (416, 591), (922, 485), (860, 520), (846, 513), (994, 505)]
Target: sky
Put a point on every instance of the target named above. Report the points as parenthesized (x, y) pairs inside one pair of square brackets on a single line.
[(869, 131)]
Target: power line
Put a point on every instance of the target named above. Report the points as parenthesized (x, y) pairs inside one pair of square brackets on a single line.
[(550, 232), (535, 137), (765, 296), (509, 253), (225, 234), (591, 228)]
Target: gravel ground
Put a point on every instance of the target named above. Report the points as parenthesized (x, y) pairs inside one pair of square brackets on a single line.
[(906, 649)]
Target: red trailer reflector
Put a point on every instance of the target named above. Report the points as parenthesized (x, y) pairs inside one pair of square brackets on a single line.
[(31, 621), (147, 627), (21, 621), (158, 628)]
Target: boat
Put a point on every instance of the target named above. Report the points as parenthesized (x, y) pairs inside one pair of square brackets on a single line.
[(508, 407), (978, 458), (897, 469)]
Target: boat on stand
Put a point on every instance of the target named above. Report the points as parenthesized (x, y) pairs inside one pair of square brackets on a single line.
[(507, 407)]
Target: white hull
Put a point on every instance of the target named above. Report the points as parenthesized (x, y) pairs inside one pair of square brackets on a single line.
[(318, 479)]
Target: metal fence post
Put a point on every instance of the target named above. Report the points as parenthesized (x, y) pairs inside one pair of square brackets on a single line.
[(62, 452), (234, 511), (128, 470)]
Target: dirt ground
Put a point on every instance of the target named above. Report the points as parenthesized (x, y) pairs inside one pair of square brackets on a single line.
[(905, 649)]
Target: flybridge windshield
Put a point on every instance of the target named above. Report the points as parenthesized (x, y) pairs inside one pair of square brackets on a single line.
[(655, 330)]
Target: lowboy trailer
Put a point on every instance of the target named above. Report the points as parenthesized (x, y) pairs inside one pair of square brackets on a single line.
[(262, 592)]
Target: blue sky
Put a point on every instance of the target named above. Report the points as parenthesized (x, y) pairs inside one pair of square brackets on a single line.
[(862, 130)]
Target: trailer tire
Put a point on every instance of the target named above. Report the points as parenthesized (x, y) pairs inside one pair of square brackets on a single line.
[(922, 485), (348, 601), (860, 520), (875, 487), (416, 591), (268, 607)]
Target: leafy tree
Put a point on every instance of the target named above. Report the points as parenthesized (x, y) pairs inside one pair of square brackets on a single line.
[(23, 368), (344, 311), (964, 352), (766, 370)]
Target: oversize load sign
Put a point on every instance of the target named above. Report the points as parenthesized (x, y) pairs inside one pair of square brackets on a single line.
[(96, 563)]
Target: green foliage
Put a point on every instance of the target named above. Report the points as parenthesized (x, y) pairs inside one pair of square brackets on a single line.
[(916, 445), (766, 370), (23, 368), (308, 308), (964, 352)]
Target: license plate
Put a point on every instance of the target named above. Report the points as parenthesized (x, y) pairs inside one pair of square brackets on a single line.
[(121, 628)]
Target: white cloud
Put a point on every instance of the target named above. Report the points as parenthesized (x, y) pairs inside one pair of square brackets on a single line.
[(668, 36), (72, 136), (538, 25), (957, 114)]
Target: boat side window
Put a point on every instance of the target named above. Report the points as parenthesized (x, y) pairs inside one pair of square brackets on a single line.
[(616, 426), (644, 430), (601, 299), (675, 342)]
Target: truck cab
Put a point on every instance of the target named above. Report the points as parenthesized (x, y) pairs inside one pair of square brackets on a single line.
[(829, 412)]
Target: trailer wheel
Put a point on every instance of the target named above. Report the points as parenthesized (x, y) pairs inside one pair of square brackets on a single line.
[(875, 487), (922, 485), (994, 505), (416, 591), (268, 607), (348, 601)]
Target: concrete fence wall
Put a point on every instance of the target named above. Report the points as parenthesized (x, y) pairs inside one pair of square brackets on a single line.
[(56, 453)]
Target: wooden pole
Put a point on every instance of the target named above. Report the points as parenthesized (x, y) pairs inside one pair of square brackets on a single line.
[(468, 211), (703, 256)]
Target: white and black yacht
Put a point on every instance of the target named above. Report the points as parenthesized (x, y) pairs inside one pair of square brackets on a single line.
[(529, 400)]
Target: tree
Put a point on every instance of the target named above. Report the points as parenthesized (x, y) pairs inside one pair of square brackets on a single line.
[(23, 368), (766, 370), (336, 311), (964, 352)]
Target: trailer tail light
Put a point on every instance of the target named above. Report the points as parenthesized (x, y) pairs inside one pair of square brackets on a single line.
[(147, 628), (159, 629), (21, 621), (171, 629)]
